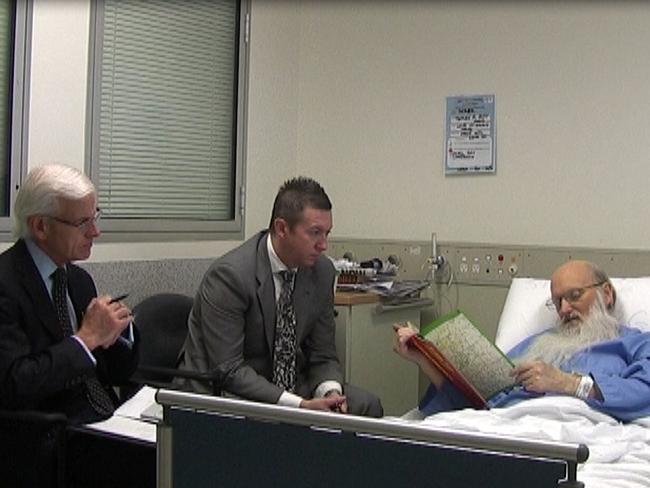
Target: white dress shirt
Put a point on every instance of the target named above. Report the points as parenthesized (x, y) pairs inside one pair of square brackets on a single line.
[(288, 399)]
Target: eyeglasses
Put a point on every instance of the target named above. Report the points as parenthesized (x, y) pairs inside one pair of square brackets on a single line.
[(82, 225), (571, 296)]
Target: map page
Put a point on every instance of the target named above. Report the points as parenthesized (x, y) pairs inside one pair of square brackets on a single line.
[(463, 345)]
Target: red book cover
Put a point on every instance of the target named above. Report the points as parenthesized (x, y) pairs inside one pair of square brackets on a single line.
[(454, 376)]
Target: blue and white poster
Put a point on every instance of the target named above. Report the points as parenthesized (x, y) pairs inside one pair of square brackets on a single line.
[(470, 143)]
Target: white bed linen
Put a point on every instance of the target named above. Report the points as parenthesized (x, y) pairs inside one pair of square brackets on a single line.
[(619, 454)]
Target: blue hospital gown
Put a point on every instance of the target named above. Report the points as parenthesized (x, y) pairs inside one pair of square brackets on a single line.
[(620, 368)]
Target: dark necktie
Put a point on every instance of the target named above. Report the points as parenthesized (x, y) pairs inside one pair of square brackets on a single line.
[(95, 393), (284, 351)]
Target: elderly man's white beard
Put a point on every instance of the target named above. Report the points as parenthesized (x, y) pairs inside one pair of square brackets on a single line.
[(567, 338)]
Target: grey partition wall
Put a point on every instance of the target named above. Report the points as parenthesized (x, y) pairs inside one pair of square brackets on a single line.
[(208, 441), (141, 279)]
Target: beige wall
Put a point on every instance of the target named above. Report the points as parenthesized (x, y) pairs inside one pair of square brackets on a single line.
[(571, 85), (353, 94), (272, 106)]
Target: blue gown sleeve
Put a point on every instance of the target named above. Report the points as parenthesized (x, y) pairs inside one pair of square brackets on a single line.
[(443, 400), (625, 387)]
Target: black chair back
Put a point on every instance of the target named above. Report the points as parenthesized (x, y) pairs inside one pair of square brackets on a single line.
[(161, 321)]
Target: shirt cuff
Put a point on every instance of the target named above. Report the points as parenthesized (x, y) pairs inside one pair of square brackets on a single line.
[(127, 337), (88, 353), (288, 399), (326, 386)]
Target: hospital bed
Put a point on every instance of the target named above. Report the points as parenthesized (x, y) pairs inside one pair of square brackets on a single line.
[(211, 441), (208, 441), (619, 453)]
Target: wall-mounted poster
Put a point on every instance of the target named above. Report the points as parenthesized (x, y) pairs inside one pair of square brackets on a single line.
[(470, 142)]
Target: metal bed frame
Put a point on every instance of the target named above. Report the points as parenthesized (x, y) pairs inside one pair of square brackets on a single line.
[(213, 441)]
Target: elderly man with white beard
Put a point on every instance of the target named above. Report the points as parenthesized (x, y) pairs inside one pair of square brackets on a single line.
[(587, 353)]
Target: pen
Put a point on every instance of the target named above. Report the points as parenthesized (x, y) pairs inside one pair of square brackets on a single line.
[(119, 298)]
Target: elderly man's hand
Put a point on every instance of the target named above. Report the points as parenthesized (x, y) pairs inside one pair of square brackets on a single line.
[(540, 377), (400, 342), (403, 334), (103, 322)]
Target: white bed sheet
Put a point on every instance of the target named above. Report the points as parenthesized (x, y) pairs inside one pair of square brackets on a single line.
[(619, 454)]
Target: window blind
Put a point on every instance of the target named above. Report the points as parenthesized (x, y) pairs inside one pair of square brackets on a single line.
[(6, 67), (167, 109)]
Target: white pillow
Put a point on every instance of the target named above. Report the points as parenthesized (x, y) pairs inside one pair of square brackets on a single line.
[(525, 312)]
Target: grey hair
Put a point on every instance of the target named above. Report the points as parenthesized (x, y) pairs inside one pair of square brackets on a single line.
[(43, 188), (601, 277)]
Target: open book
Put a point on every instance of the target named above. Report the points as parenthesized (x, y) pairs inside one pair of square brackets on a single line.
[(470, 361)]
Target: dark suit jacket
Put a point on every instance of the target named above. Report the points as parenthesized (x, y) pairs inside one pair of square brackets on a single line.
[(39, 368), (232, 325)]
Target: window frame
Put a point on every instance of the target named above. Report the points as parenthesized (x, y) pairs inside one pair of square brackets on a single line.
[(19, 108), (147, 229)]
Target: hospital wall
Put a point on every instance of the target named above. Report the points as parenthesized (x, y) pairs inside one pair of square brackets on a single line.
[(571, 85), (353, 94)]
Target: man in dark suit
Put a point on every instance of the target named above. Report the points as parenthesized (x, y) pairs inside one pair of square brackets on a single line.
[(262, 325), (61, 346)]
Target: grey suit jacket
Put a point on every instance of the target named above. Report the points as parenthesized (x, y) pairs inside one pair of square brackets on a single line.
[(232, 325)]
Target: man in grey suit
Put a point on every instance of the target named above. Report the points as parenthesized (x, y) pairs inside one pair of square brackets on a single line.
[(262, 324)]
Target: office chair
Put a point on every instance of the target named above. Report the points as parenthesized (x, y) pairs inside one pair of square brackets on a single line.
[(161, 321), (33, 449)]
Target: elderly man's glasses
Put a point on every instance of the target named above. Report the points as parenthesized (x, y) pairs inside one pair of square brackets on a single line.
[(571, 296), (84, 224)]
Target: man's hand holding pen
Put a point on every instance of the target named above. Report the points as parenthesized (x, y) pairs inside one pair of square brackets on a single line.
[(118, 298), (103, 322)]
